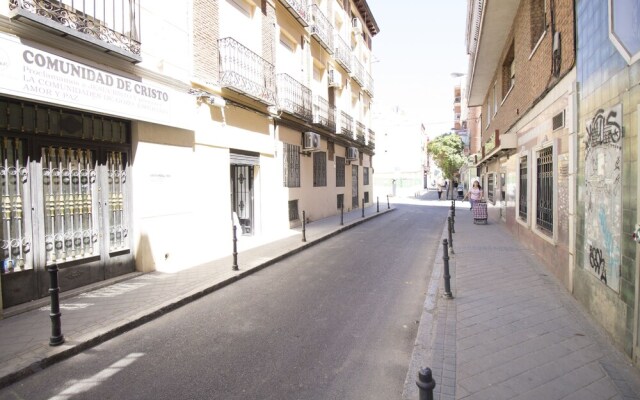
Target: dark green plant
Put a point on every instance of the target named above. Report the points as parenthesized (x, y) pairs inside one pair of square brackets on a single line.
[(447, 151)]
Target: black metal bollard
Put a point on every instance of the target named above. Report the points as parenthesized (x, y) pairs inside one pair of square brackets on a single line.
[(56, 338), (447, 277), (235, 249), (363, 207), (450, 231), (453, 207), (388, 206), (304, 226), (425, 383), (377, 203), (342, 213)]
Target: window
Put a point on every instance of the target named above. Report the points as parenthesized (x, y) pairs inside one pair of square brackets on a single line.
[(365, 175), (293, 210), (366, 197), (495, 98), (544, 183), (340, 201), (340, 171), (491, 184), (508, 72), (291, 165), (319, 169), (522, 208), (538, 21)]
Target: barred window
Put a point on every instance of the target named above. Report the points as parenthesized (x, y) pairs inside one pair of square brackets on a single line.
[(365, 175), (366, 197), (340, 171), (544, 181), (291, 165), (522, 210), (293, 210), (320, 168), (491, 184), (340, 201)]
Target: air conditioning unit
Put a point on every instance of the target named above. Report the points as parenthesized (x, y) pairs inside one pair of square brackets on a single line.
[(334, 78), (356, 26), (311, 141), (352, 153)]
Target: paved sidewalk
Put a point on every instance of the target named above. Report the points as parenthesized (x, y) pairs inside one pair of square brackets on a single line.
[(90, 317), (512, 330)]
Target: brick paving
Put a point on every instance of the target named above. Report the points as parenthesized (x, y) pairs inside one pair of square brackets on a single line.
[(511, 331)]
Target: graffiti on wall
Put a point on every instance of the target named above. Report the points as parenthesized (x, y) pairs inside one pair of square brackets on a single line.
[(603, 195)]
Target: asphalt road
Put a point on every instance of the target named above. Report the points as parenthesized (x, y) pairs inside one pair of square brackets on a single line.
[(337, 321)]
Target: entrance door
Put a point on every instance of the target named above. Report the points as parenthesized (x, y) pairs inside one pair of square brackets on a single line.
[(242, 196), (355, 201)]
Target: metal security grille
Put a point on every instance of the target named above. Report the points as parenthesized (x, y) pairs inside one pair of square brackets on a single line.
[(340, 201), (293, 210), (544, 203), (366, 197), (117, 178), (320, 168), (355, 201), (522, 210), (365, 175), (14, 178), (291, 165), (491, 184), (340, 171), (69, 177)]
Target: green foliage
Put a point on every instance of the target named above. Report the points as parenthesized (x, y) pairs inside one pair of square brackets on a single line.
[(448, 153)]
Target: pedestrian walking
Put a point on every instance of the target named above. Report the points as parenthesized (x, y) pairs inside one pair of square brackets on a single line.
[(474, 194), (439, 188)]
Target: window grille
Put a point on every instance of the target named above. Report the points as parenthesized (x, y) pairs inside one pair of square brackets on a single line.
[(523, 206), (69, 179), (544, 202), (293, 210), (366, 197), (117, 204), (291, 165), (491, 184), (365, 175), (14, 179), (340, 173), (320, 168), (340, 201)]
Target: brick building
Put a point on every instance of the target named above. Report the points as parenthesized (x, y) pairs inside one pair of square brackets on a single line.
[(135, 136)]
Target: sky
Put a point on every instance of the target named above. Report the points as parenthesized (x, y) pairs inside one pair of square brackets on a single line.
[(420, 44)]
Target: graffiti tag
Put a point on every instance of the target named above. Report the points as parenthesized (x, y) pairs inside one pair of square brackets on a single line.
[(604, 128), (597, 263)]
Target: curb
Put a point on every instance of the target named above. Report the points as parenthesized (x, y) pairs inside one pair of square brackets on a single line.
[(422, 348), (150, 314)]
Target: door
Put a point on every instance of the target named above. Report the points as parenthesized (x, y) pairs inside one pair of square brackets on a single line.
[(355, 201), (242, 196)]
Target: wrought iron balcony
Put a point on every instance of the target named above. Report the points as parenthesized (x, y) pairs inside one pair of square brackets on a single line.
[(294, 98), (114, 27), (368, 86), (321, 29), (346, 124), (324, 114), (343, 53), (371, 139), (360, 132), (245, 72), (299, 9), (358, 72)]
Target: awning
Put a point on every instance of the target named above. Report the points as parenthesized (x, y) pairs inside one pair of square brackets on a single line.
[(498, 145), (239, 157)]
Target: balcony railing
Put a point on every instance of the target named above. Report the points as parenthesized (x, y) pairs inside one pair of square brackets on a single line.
[(115, 28), (368, 86), (321, 29), (293, 97), (371, 139), (360, 132), (324, 114), (358, 72), (343, 53), (346, 124), (245, 72), (299, 9)]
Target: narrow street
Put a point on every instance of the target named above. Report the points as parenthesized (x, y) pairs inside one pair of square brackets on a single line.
[(336, 321)]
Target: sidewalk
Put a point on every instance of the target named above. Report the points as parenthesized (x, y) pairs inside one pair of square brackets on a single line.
[(511, 331), (90, 317)]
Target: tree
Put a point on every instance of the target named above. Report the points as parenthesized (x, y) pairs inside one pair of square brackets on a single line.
[(447, 152)]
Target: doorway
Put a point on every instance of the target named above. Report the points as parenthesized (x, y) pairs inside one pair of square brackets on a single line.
[(242, 196)]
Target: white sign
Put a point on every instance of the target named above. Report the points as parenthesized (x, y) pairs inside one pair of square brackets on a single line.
[(35, 74)]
